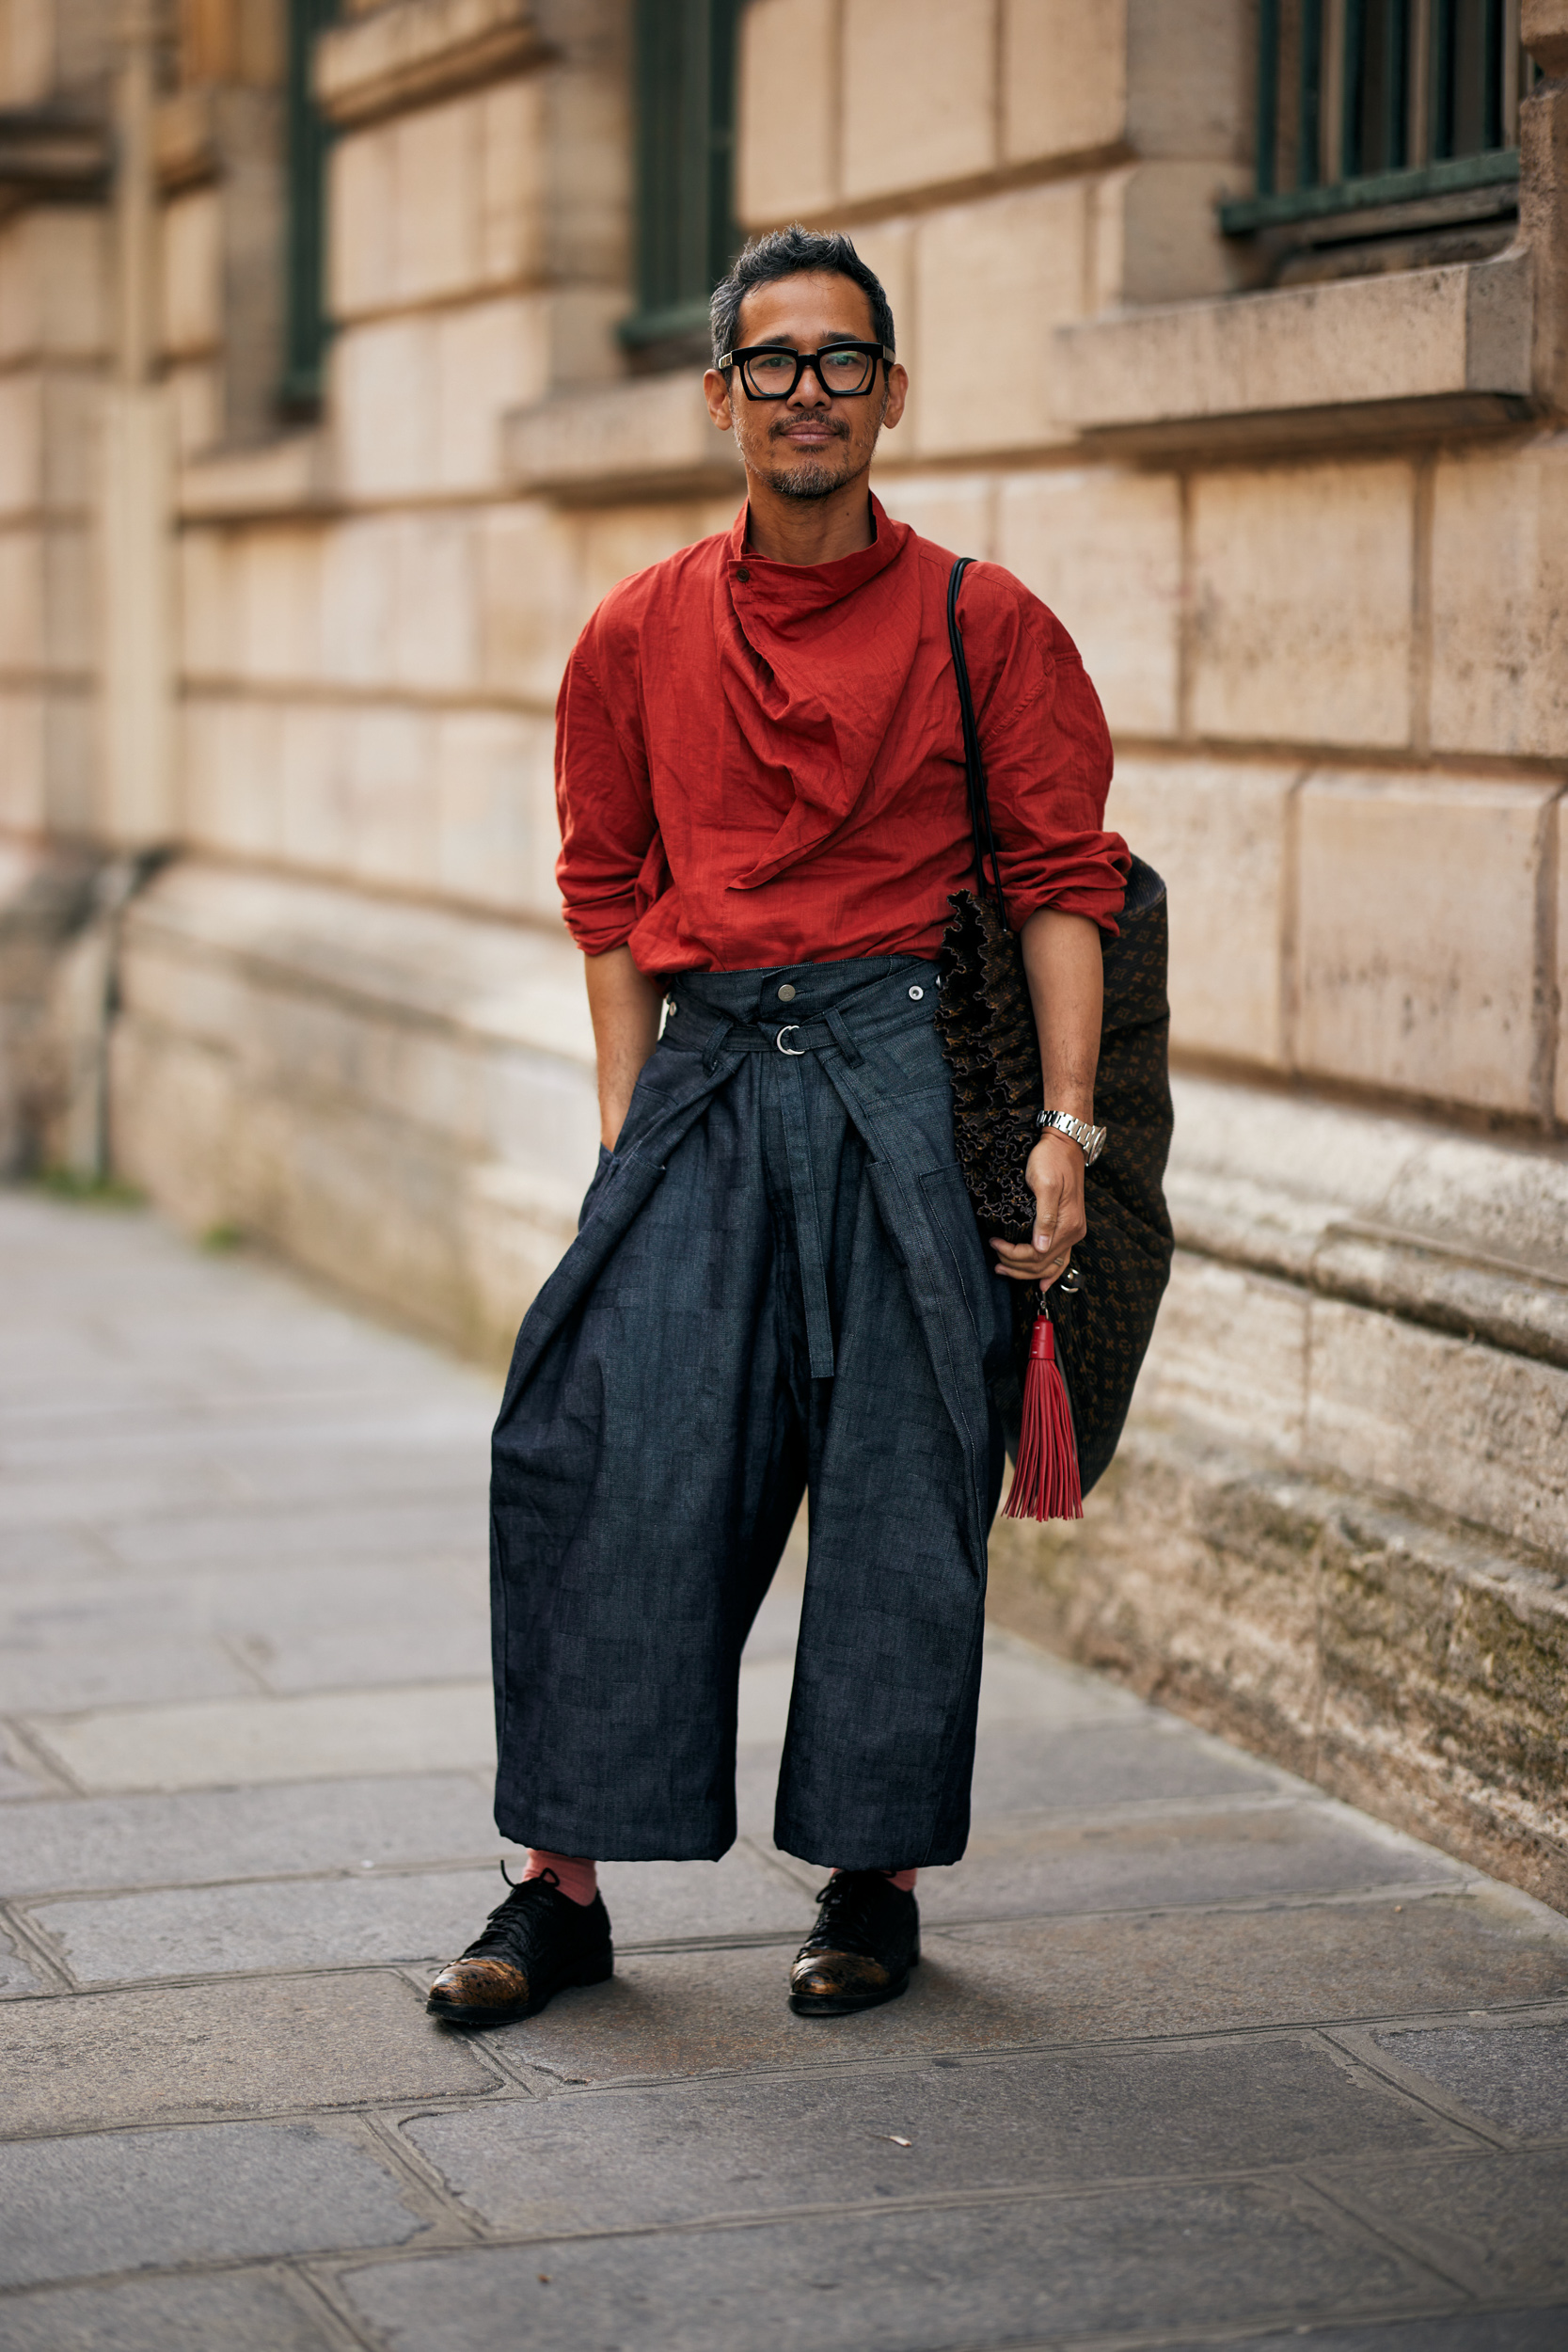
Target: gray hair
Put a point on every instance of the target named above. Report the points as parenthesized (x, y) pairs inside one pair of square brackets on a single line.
[(790, 253)]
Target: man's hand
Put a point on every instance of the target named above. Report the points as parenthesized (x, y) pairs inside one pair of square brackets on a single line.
[(1055, 1174), (623, 1006), (1062, 959)]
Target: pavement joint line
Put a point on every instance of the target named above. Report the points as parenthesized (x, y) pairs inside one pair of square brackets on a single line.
[(752, 1940), (1420, 2092), (1388, 2234), (1247, 2331), (314, 2277), (33, 1945), (36, 1757), (482, 2237), (423, 2179), (1134, 1813), (1000, 2053), (397, 2112), (931, 2201), (1388, 2071)]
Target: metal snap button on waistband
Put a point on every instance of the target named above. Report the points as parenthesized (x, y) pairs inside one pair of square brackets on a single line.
[(917, 994), (787, 995), (788, 1030)]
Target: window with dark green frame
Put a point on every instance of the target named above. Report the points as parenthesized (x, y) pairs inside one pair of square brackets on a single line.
[(306, 327), (686, 238), (1369, 105)]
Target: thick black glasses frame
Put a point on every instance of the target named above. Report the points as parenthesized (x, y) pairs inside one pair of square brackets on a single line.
[(804, 359)]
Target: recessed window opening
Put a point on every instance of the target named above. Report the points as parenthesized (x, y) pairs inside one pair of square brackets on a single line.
[(1369, 108)]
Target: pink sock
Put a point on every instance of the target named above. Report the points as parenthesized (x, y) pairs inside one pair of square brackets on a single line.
[(576, 1879), (903, 1880)]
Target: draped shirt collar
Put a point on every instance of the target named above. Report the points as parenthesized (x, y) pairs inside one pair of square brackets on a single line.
[(814, 659)]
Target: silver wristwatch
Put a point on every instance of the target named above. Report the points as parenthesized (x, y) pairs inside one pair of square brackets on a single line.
[(1090, 1140)]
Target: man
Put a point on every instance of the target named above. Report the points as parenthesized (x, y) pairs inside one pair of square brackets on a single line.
[(777, 1283)]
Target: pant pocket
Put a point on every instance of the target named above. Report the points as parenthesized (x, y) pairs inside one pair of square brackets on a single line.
[(983, 1292)]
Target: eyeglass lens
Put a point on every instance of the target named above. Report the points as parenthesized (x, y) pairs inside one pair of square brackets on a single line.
[(771, 374)]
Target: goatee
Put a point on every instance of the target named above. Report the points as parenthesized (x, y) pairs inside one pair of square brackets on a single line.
[(809, 480)]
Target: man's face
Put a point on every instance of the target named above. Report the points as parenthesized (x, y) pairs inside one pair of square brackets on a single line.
[(812, 442)]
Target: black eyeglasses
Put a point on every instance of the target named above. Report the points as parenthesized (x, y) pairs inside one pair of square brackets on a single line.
[(844, 370)]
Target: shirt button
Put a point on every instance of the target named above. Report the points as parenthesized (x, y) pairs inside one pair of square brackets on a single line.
[(743, 575), (917, 994), (787, 995)]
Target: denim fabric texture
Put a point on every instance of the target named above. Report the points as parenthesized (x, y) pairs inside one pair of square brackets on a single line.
[(777, 1286)]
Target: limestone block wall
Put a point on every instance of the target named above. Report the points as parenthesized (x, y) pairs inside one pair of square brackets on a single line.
[(53, 337), (1313, 543)]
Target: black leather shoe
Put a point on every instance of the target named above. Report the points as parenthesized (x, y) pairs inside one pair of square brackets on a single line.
[(860, 1953), (534, 1944)]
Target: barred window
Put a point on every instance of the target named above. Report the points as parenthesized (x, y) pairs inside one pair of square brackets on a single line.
[(686, 238), (1387, 133), (305, 322)]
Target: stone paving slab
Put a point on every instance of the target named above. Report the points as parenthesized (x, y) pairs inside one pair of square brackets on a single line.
[(1201, 2066), (17, 1974), (225, 1834), (1027, 1768), (1020, 1768), (1515, 2076), (129, 2200), (46, 1680), (268, 1605), (426, 1727), (1058, 1980), (1035, 2269), (88, 2062), (407, 1916), (1496, 2222), (1033, 1869), (1170, 1972), (1534, 2330), (250, 2312), (435, 1645), (236, 1539), (681, 2154)]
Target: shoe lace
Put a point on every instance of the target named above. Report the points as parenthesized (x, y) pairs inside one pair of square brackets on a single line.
[(510, 1928), (844, 1914)]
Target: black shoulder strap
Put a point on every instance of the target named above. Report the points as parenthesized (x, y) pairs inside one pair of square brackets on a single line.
[(979, 802)]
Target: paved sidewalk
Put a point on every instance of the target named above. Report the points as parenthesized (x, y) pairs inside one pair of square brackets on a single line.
[(1194, 2056)]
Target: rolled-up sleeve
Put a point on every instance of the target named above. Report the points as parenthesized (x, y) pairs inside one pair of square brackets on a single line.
[(1048, 758), (607, 824)]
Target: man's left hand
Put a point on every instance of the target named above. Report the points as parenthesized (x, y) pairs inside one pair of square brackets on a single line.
[(1055, 1174)]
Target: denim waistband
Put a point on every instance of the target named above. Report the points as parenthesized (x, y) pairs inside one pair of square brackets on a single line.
[(798, 1008)]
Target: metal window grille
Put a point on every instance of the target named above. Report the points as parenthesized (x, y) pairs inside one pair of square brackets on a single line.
[(306, 327), (685, 235), (1368, 102)]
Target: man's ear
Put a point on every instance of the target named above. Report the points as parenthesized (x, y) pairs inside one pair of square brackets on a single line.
[(717, 393)]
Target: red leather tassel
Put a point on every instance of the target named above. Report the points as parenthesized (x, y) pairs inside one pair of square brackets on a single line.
[(1045, 1482)]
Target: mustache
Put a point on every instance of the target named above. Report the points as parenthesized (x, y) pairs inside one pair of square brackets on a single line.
[(786, 425)]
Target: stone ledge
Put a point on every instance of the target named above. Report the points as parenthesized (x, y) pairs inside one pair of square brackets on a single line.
[(426, 966), (290, 476), (1378, 353), (1408, 1666), (649, 437), (1447, 1230), (399, 1096), (414, 52)]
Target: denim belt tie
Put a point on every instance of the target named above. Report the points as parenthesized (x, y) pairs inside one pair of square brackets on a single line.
[(792, 1042)]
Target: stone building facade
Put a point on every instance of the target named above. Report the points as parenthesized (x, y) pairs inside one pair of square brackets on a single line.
[(345, 361)]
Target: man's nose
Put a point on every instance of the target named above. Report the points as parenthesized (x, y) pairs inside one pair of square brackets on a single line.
[(811, 392)]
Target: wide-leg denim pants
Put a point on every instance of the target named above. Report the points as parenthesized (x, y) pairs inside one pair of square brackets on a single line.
[(777, 1286)]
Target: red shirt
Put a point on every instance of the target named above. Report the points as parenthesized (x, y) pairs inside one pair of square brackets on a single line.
[(763, 763)]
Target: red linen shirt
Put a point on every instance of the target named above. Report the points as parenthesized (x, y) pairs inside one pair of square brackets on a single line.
[(762, 763)]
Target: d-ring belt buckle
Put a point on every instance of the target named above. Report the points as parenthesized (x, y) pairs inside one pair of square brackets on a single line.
[(797, 1053)]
